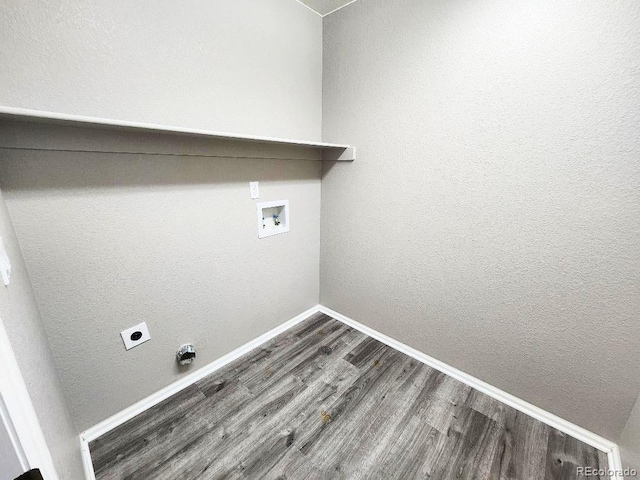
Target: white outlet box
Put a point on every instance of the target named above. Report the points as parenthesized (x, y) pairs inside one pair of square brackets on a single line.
[(273, 218), (134, 336)]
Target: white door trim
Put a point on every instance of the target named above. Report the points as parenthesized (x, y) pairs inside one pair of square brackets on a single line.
[(19, 415), (5, 420)]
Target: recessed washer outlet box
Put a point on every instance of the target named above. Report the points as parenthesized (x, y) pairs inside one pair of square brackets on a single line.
[(273, 218), (134, 336)]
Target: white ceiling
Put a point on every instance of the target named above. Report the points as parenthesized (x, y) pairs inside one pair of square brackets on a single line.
[(324, 7)]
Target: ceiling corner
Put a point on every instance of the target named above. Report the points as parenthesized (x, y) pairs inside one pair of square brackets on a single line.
[(325, 7)]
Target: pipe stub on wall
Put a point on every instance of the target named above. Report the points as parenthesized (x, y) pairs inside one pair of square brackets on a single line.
[(186, 354)]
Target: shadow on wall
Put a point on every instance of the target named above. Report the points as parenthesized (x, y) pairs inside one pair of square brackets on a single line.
[(38, 170), (327, 167), (53, 157)]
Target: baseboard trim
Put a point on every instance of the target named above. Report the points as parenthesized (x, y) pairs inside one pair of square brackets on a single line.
[(146, 403), (615, 463), (590, 438)]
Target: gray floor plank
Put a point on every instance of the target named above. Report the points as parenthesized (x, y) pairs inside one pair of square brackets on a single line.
[(413, 454), (473, 442), (110, 451), (261, 453), (522, 449), (324, 401), (565, 454)]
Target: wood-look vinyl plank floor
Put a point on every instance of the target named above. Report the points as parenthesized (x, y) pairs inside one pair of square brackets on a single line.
[(325, 401)]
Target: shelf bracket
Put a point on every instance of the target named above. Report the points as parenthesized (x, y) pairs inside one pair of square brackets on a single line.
[(347, 154)]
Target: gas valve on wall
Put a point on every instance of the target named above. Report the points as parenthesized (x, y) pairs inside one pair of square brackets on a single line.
[(186, 354)]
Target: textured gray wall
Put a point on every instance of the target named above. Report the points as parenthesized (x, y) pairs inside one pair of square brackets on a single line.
[(630, 440), (114, 240), (246, 66), (492, 217), (21, 319)]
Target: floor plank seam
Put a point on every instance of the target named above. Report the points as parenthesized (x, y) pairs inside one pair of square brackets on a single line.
[(325, 400)]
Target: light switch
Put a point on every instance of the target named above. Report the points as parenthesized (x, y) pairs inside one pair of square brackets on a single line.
[(254, 188)]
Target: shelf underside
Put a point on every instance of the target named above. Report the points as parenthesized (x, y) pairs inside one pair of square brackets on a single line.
[(38, 130)]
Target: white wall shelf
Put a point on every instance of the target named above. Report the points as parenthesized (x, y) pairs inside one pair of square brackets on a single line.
[(330, 151)]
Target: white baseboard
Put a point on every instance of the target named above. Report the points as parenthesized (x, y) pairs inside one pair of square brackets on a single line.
[(146, 403), (590, 438)]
